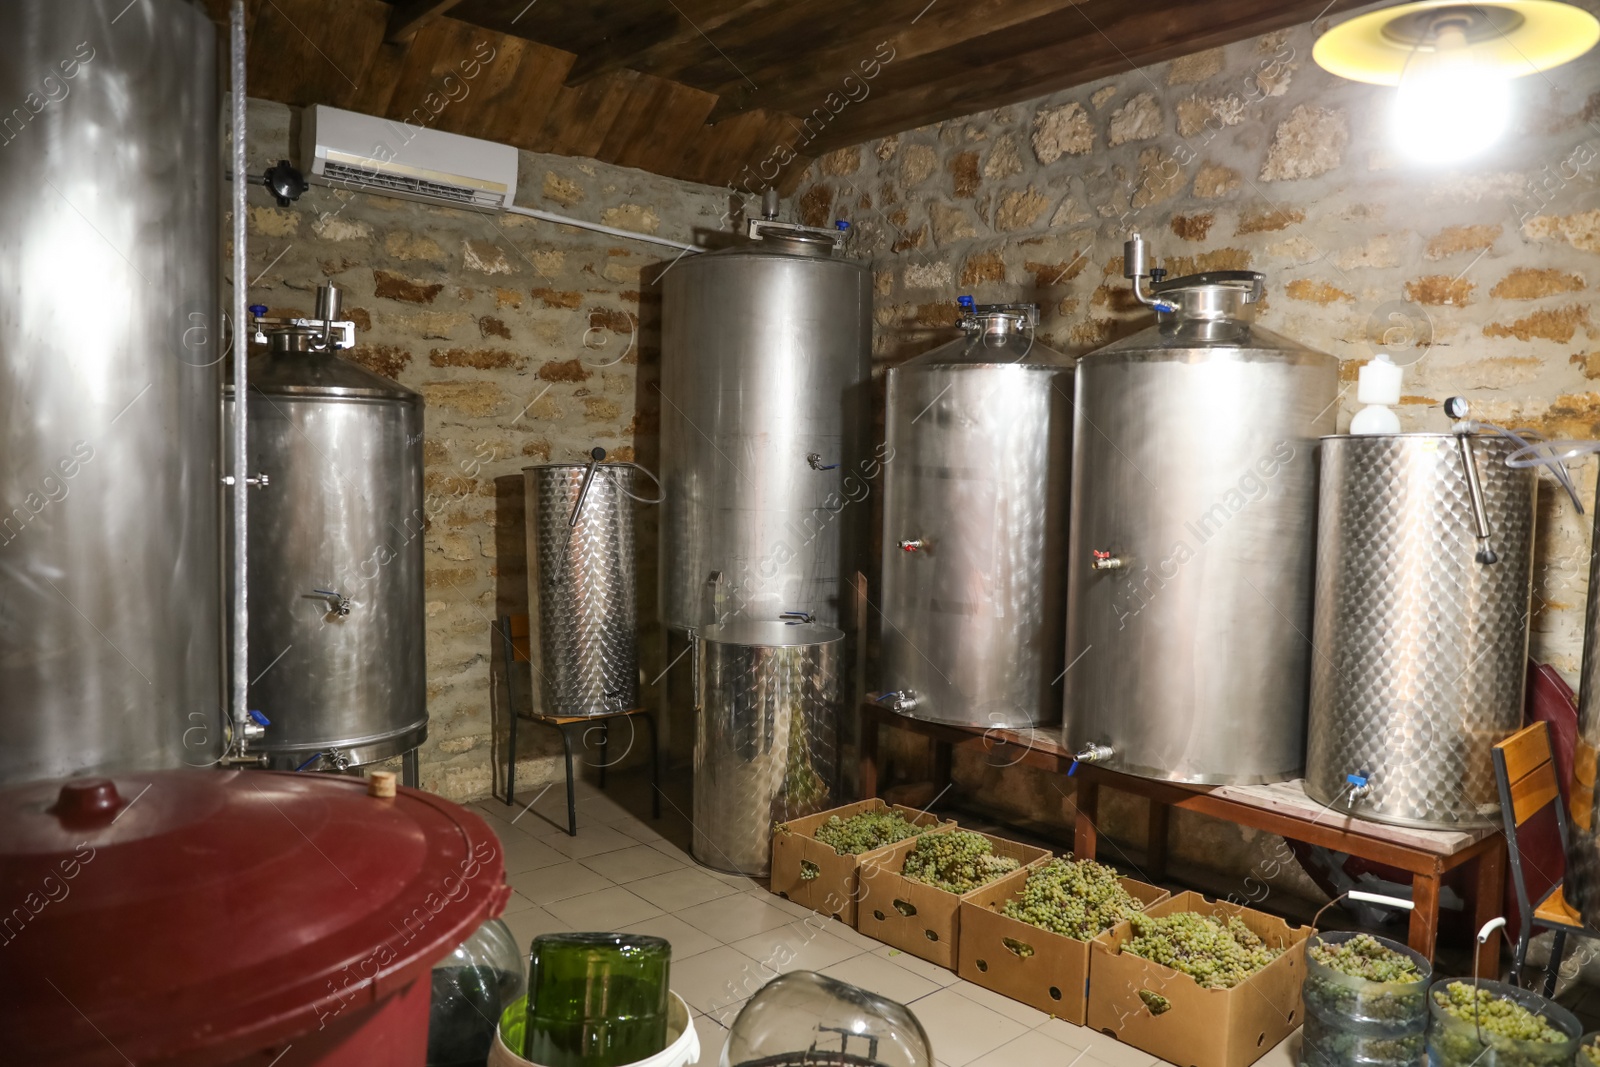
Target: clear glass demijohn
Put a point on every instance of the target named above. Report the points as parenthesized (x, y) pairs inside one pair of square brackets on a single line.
[(804, 1018)]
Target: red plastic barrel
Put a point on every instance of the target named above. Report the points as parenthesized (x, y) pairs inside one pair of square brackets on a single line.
[(221, 917)]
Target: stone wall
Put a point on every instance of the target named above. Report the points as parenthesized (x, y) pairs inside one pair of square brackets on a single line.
[(530, 342), (1481, 279)]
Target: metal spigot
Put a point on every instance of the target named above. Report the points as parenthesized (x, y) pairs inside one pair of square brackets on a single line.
[(1360, 786), (911, 544), (1093, 753), (255, 481), (338, 603), (900, 701), (1106, 561)]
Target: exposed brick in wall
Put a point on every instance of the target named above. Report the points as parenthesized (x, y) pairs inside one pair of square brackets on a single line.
[(531, 343), (1482, 278)]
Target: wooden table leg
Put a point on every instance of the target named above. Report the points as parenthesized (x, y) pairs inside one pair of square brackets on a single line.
[(1425, 914), (868, 774), (1488, 900), (1085, 838), (1155, 847)]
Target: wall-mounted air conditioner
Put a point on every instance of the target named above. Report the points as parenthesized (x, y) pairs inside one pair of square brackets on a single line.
[(373, 155)]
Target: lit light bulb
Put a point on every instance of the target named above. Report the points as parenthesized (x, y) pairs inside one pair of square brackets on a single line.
[(1449, 107)]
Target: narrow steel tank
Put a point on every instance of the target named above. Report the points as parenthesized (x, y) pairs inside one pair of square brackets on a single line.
[(1421, 627), (975, 526), (1583, 804), (110, 651), (765, 360), (337, 655), (1192, 521)]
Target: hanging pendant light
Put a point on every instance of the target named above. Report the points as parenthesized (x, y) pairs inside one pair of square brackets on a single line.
[(1453, 64)]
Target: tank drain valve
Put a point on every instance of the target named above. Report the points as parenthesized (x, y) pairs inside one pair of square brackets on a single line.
[(900, 701), (254, 481), (814, 461), (1091, 753), (911, 544), (794, 617), (1360, 786), (338, 603), (1106, 561)]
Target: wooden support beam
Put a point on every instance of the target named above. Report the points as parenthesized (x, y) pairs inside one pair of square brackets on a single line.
[(706, 27), (409, 15)]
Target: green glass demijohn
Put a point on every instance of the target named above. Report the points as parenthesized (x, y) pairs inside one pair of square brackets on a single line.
[(596, 999)]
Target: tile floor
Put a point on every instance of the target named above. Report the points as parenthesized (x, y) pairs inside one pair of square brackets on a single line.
[(729, 935)]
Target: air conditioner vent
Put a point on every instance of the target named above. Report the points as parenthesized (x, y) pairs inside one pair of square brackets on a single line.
[(373, 180)]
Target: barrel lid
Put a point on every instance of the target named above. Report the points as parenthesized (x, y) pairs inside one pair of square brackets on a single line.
[(199, 916), (320, 374)]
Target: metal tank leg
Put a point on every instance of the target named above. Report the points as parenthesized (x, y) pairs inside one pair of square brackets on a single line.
[(410, 776), (572, 800), (605, 749), (1553, 971), (508, 650)]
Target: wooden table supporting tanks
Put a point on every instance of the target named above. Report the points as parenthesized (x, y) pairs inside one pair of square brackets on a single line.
[(1283, 810)]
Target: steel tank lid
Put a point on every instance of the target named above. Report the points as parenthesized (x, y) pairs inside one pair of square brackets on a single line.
[(1437, 435), (320, 374), (1181, 341), (998, 350), (775, 248), (198, 916)]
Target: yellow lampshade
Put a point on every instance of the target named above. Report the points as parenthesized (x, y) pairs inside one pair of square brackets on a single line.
[(1511, 37)]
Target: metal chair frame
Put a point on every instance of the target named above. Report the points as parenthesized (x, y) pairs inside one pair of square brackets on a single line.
[(1509, 793), (564, 726)]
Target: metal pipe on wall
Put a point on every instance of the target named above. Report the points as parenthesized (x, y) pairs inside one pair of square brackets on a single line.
[(240, 503), (582, 224)]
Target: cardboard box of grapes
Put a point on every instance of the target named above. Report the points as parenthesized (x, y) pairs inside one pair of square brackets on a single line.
[(832, 886), (918, 917), (1041, 968), (1169, 1014)]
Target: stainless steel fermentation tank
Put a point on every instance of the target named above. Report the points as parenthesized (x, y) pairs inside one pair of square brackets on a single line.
[(110, 649), (765, 355), (766, 742), (1421, 628), (1190, 568), (583, 588), (337, 656), (975, 526)]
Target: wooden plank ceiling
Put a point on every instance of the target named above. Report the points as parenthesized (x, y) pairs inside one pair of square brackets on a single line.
[(735, 92)]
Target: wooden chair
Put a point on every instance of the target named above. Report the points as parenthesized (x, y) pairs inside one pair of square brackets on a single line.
[(1525, 770), (515, 647)]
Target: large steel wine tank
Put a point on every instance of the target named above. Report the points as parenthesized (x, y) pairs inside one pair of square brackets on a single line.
[(1190, 569), (110, 651), (1583, 839), (1421, 645), (765, 359), (336, 578), (975, 526)]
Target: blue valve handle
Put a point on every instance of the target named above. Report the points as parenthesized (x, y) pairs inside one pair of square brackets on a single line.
[(258, 310), (1356, 780), (260, 719), (841, 225), (965, 302)]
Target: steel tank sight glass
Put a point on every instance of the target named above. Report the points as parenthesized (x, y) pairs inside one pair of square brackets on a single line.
[(110, 649), (1193, 512), (765, 354), (975, 525), (335, 566), (766, 736), (583, 587), (1421, 625)]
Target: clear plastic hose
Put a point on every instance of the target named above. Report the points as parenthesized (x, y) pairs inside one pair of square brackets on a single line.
[(1533, 450)]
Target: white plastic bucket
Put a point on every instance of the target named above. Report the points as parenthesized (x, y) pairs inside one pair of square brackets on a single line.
[(683, 1043)]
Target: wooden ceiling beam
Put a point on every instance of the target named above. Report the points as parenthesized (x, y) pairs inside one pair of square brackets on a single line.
[(409, 16), (993, 73), (691, 29)]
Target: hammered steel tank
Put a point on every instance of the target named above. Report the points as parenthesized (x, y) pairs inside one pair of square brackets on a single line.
[(1190, 569), (764, 353), (582, 588), (975, 526), (766, 742), (1422, 643), (337, 652), (110, 650)]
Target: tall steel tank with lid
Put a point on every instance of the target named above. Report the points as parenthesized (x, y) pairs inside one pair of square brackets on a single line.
[(110, 651), (337, 656), (764, 362), (1192, 521), (975, 526), (1424, 582)]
